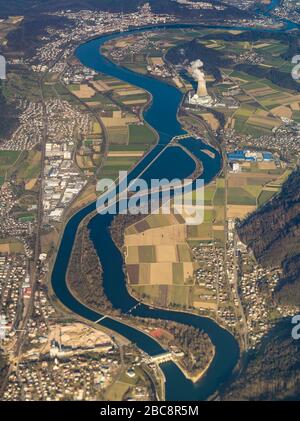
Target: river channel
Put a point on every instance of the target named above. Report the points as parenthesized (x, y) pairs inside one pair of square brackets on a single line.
[(162, 116)]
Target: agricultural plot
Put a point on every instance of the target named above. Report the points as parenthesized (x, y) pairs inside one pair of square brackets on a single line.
[(165, 295), (83, 91), (141, 135), (154, 221), (122, 93), (11, 246), (122, 153), (88, 156), (262, 103), (202, 232), (118, 135), (254, 186), (7, 160), (113, 165), (158, 259), (118, 127), (260, 111), (28, 166)]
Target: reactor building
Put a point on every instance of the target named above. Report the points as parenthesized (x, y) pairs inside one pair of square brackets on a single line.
[(201, 96)]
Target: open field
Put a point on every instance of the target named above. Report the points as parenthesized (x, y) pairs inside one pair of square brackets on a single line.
[(49, 241), (240, 211), (88, 153), (84, 161), (118, 135), (252, 187), (123, 385), (118, 119), (211, 120), (157, 252), (118, 154), (165, 235), (7, 160), (84, 91), (27, 166), (113, 165), (11, 246), (100, 86), (165, 295), (141, 135)]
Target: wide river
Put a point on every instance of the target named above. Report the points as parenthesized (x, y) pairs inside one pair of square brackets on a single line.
[(173, 162)]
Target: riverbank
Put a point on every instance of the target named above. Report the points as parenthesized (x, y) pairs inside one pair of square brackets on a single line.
[(165, 98)]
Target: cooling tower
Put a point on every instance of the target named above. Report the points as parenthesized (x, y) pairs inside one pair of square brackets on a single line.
[(201, 90)]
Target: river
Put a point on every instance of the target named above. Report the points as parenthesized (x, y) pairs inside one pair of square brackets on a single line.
[(162, 116)]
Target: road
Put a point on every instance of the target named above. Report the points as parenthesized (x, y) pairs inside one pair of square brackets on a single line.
[(241, 309), (234, 290), (35, 268)]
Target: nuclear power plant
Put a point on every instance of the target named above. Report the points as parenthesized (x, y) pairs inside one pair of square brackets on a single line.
[(201, 90), (201, 96)]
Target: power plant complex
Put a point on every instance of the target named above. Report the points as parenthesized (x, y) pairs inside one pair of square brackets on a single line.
[(201, 96)]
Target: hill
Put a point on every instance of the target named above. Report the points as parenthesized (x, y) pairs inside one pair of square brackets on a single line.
[(215, 59), (273, 372), (273, 234), (33, 7)]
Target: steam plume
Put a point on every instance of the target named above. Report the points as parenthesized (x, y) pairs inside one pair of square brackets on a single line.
[(195, 70)]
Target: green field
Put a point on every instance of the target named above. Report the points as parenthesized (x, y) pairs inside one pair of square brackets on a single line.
[(147, 254), (240, 196), (166, 295), (118, 135), (219, 197), (141, 135), (113, 165), (7, 160), (177, 273), (28, 166), (265, 196)]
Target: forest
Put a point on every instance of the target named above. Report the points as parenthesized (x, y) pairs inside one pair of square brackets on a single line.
[(34, 7), (273, 234), (9, 117), (85, 273), (272, 372)]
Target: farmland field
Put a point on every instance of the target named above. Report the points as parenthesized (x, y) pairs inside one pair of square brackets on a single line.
[(141, 134), (7, 159), (113, 165)]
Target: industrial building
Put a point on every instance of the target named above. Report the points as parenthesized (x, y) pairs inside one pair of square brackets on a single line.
[(252, 156)]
